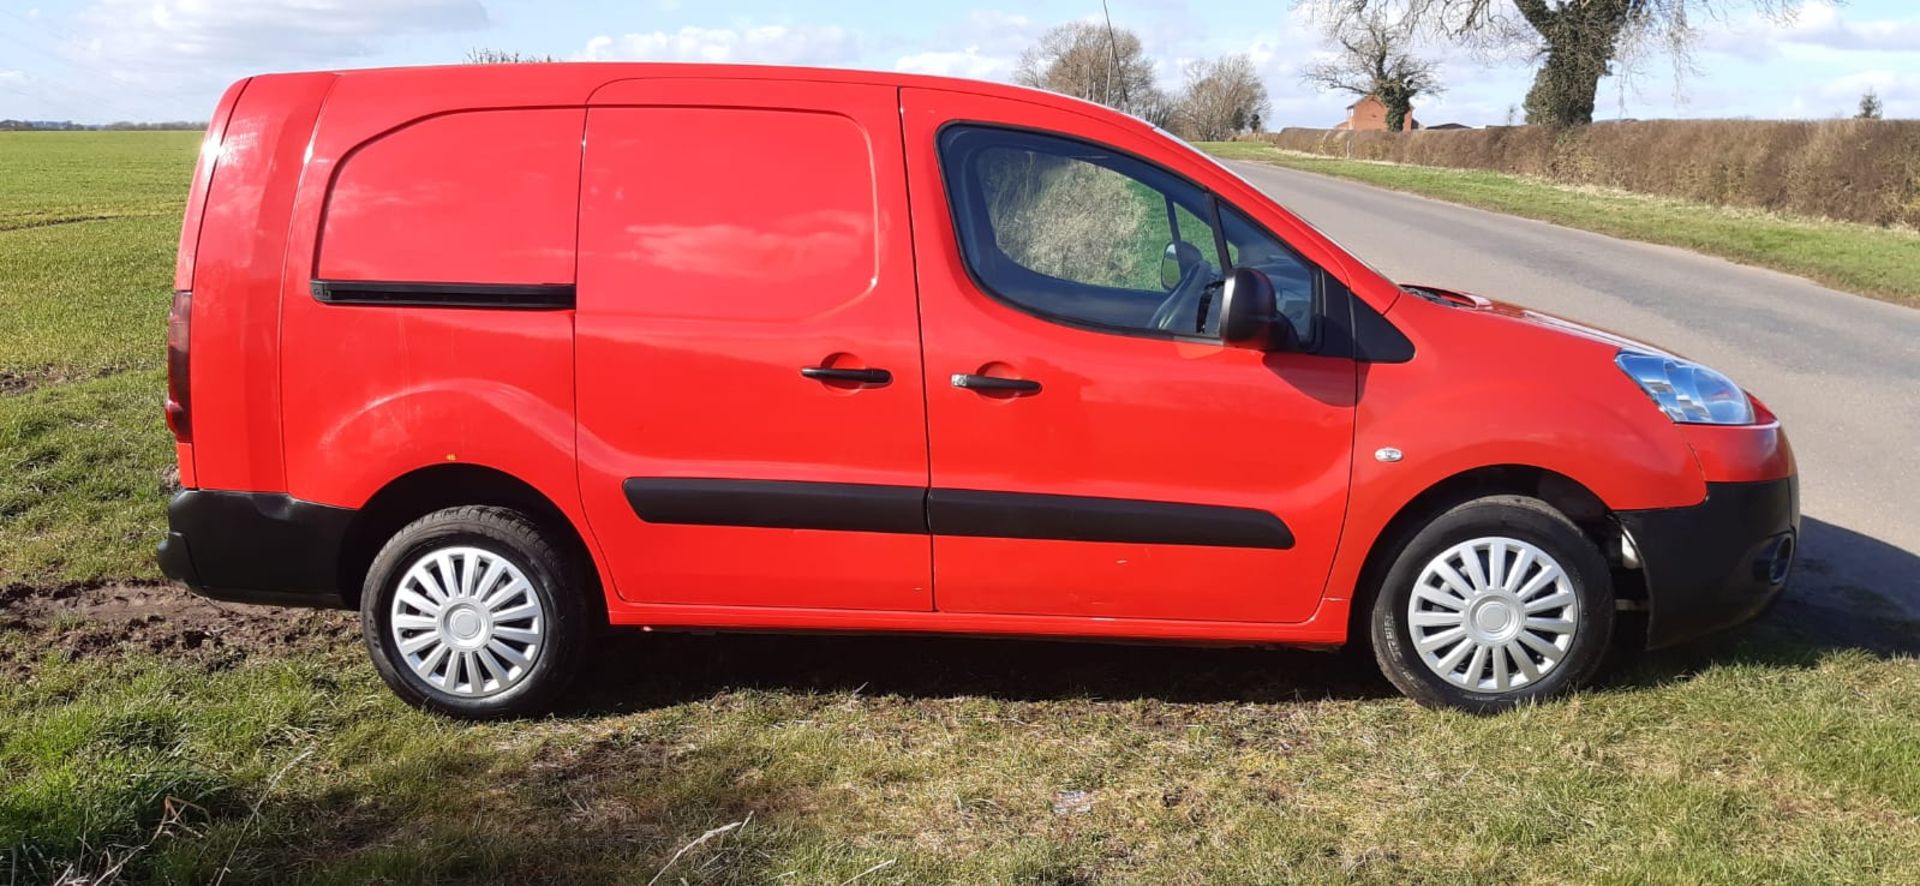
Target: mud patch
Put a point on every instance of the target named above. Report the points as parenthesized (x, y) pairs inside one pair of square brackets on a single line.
[(124, 619), (21, 381)]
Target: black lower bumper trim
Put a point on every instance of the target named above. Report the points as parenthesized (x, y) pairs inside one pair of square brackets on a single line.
[(255, 547), (1716, 564)]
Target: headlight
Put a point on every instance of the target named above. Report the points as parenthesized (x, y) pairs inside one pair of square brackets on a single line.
[(1688, 392)]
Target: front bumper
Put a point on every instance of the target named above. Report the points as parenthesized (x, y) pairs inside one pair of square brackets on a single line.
[(255, 547), (1718, 563)]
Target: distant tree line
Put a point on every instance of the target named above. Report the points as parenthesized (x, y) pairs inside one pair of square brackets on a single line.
[(1219, 99), (70, 126), (1100, 63), (1575, 43)]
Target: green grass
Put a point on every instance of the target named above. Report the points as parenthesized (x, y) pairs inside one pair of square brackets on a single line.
[(56, 177), (88, 227), (84, 474), (1767, 757), (1883, 263), (1198, 767)]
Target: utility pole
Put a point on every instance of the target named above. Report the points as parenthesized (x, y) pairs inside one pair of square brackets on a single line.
[(1113, 58)]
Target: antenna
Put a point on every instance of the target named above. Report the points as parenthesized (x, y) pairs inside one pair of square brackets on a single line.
[(1113, 51)]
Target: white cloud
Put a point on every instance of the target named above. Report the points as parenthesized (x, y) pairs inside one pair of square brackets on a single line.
[(1899, 93), (767, 44), (1825, 27), (996, 32), (969, 62), (1818, 31), (137, 34)]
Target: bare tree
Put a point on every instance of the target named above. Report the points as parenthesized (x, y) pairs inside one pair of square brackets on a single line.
[(1096, 63), (1869, 106), (1222, 99), (1374, 60), (1577, 41), (482, 56)]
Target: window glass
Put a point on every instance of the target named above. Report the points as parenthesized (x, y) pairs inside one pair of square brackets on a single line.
[(1250, 245), (1081, 234), (1084, 235)]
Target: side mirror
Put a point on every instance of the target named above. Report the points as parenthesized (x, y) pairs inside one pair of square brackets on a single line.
[(1174, 262), (1250, 316)]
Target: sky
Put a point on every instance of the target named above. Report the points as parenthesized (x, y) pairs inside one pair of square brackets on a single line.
[(103, 60)]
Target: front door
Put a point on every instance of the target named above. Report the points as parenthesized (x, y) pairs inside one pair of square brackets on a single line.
[(1095, 451), (751, 423)]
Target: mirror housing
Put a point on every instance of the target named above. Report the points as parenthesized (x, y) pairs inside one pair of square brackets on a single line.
[(1250, 316), (1174, 262)]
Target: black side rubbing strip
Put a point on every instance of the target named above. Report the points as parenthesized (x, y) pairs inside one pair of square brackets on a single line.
[(856, 507), (1077, 518), (507, 296), (779, 504)]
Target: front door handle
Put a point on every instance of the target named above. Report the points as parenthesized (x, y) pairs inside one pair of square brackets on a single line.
[(992, 383), (854, 376)]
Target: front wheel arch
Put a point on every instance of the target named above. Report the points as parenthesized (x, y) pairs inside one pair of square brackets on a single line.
[(1565, 494)]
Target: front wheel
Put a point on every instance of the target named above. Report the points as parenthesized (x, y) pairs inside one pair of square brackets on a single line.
[(1497, 602), (473, 612)]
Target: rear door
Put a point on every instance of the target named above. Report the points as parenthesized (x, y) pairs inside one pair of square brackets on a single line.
[(751, 417), (1096, 451)]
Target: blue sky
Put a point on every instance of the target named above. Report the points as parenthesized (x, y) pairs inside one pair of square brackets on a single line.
[(102, 60)]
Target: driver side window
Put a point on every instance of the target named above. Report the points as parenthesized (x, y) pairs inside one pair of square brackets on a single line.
[(1083, 235)]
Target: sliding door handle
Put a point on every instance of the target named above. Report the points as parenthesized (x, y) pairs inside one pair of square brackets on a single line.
[(849, 376), (995, 384)]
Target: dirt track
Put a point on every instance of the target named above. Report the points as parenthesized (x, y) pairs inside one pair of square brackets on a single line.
[(157, 618)]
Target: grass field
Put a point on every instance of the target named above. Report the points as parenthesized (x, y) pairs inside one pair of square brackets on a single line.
[(156, 738), (1882, 263)]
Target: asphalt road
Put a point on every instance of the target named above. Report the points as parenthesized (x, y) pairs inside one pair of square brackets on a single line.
[(1841, 371)]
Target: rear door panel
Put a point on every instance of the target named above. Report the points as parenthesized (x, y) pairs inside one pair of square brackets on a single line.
[(732, 234)]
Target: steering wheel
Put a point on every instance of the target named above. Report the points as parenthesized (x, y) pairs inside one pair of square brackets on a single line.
[(1184, 298)]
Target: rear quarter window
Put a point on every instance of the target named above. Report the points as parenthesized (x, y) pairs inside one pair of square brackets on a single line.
[(470, 197)]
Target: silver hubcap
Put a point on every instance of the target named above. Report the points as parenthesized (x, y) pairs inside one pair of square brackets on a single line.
[(467, 621), (1493, 614)]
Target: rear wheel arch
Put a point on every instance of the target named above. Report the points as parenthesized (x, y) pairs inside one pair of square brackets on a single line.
[(423, 491), (1568, 496)]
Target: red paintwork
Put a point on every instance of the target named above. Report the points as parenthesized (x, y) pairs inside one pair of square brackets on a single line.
[(376, 392), (474, 196), (733, 232), (1118, 417), (236, 280), (726, 226)]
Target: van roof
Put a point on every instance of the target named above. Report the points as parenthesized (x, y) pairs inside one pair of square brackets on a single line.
[(582, 78)]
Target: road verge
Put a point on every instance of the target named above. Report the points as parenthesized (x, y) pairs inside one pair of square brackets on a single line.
[(1877, 262)]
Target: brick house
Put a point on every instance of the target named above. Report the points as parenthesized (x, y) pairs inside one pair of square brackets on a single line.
[(1370, 115)]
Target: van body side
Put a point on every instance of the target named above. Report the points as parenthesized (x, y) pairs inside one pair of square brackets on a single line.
[(498, 353)]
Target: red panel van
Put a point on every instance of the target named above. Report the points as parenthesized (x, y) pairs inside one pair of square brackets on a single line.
[(502, 355)]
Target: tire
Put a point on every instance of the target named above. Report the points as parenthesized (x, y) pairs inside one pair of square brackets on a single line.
[(508, 638), (1421, 615)]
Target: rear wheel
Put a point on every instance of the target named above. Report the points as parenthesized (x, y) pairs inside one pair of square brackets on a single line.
[(473, 612), (1496, 602)]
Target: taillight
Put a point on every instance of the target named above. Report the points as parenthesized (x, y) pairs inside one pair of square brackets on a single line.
[(179, 398)]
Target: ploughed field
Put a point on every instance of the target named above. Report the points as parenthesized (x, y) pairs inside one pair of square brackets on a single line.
[(151, 736)]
